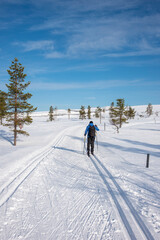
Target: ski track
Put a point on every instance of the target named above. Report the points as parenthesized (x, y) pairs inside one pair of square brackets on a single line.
[(122, 204), (145, 207), (8, 189), (71, 201)]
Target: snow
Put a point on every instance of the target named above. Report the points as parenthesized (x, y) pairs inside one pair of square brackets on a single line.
[(49, 189)]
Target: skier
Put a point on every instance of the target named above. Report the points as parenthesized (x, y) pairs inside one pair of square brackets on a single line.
[(91, 131)]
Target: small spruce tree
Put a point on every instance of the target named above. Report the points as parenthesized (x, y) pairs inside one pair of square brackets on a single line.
[(100, 113), (111, 110), (149, 109), (69, 113), (130, 113), (89, 112), (82, 113), (18, 108), (51, 114), (97, 113), (118, 114)]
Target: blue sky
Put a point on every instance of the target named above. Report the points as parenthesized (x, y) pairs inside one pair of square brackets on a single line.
[(83, 52)]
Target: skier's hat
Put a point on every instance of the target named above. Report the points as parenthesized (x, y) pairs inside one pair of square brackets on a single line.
[(91, 122)]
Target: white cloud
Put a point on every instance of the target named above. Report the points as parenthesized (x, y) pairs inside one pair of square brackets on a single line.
[(146, 52), (83, 85), (36, 45), (98, 34), (95, 27), (55, 55)]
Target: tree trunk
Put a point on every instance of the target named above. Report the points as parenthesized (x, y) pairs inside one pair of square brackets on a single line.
[(15, 121), (15, 127)]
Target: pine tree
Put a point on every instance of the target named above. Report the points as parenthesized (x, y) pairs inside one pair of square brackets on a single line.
[(18, 108), (3, 105), (89, 112), (130, 113), (149, 109), (98, 113), (103, 110), (82, 113), (111, 110), (69, 112), (118, 114), (51, 115)]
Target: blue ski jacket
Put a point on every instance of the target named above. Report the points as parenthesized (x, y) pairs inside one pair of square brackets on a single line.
[(87, 128)]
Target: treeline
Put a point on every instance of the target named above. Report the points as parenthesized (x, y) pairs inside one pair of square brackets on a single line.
[(83, 113), (14, 106), (119, 113)]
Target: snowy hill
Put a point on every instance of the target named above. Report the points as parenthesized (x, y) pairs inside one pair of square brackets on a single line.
[(49, 189)]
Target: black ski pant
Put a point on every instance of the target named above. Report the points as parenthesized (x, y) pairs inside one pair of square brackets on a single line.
[(90, 142)]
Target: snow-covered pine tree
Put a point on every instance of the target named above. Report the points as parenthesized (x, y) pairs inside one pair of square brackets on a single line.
[(3, 106), (82, 113), (89, 112), (118, 114), (51, 114), (149, 109), (18, 108)]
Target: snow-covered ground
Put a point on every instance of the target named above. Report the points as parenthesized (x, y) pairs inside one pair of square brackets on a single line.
[(50, 190)]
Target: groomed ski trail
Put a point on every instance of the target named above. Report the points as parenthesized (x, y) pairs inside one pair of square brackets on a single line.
[(63, 194), (58, 198)]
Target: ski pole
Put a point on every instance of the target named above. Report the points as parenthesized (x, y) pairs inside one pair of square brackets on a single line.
[(84, 144), (97, 142)]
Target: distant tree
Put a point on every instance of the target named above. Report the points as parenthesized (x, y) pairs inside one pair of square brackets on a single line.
[(103, 110), (51, 114), (130, 113), (18, 108), (3, 106), (82, 113), (69, 113), (118, 114), (111, 110), (98, 113), (89, 112), (156, 113), (149, 109)]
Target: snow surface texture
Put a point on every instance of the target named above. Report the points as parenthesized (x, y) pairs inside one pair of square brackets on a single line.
[(49, 189)]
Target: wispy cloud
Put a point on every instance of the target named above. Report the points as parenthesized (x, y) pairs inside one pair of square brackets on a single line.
[(79, 85), (105, 36), (147, 52), (55, 54), (12, 1), (92, 28), (35, 45)]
